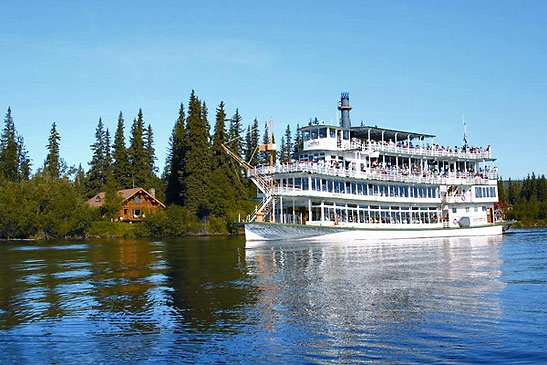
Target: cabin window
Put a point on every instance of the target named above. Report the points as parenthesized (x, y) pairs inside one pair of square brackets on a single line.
[(137, 200), (314, 134), (322, 132), (454, 210), (136, 213), (125, 212), (332, 133), (306, 135), (98, 199), (346, 135)]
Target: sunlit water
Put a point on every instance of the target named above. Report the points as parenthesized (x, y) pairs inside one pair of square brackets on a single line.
[(210, 300)]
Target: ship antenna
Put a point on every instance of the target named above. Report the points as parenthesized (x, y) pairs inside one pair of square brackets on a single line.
[(464, 131)]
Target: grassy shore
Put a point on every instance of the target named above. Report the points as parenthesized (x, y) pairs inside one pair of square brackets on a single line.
[(531, 223)]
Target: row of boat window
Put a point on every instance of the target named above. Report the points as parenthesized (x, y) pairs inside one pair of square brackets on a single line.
[(322, 133), (485, 192), (356, 188), (353, 213)]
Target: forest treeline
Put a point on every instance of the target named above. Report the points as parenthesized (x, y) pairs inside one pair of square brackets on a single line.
[(204, 189), (525, 200)]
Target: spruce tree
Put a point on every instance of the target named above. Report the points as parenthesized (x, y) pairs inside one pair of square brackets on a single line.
[(121, 168), (220, 158), (9, 164), (254, 142), (23, 160), (96, 176), (52, 164), (234, 134), (150, 152), (221, 187), (298, 144), (174, 168), (281, 153), (287, 151), (137, 153), (248, 144), (196, 159), (79, 181)]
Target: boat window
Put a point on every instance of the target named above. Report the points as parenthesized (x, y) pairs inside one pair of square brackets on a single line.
[(346, 135), (322, 132), (332, 133), (314, 134), (454, 210), (306, 135)]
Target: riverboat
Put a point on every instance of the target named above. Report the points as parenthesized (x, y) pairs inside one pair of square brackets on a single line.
[(366, 183)]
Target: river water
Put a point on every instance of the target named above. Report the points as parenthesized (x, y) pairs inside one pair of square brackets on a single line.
[(209, 300)]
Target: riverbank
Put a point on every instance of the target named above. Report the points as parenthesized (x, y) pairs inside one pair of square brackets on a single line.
[(107, 229), (531, 223)]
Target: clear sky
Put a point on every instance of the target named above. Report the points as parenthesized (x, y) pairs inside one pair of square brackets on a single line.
[(411, 65)]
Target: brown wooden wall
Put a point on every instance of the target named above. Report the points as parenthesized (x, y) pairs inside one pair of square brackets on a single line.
[(146, 205)]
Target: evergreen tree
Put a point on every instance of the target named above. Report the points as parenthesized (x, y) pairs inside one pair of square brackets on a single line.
[(137, 153), (196, 159), (248, 144), (502, 198), (287, 149), (79, 181), (220, 159), (52, 164), (281, 153), (297, 145), (121, 168), (234, 134), (150, 152), (23, 160), (174, 168), (221, 187), (96, 176), (9, 164), (252, 138), (108, 154)]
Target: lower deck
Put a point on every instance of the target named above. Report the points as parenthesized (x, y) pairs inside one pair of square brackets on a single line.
[(352, 214)]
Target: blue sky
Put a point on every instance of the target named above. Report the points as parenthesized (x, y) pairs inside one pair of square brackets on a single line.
[(411, 65)]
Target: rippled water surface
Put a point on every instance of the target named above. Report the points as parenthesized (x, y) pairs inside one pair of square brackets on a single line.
[(210, 300)]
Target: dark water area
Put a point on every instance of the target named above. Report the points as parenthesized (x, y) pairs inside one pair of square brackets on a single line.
[(209, 300)]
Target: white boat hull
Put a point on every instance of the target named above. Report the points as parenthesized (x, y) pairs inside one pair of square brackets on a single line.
[(259, 232)]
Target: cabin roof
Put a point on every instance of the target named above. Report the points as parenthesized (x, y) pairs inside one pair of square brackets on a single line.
[(376, 133), (126, 194)]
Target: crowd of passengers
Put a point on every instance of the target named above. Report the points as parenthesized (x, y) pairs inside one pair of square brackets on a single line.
[(388, 169), (428, 147)]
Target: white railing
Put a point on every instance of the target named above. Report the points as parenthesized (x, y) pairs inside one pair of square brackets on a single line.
[(433, 151), (404, 176)]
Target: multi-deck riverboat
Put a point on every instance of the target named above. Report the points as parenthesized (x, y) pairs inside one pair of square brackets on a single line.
[(365, 182)]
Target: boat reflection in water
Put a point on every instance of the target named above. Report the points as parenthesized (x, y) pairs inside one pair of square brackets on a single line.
[(365, 301)]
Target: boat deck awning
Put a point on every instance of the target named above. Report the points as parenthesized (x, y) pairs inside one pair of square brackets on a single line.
[(376, 134)]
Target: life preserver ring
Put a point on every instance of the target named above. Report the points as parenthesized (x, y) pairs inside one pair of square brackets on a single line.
[(463, 198), (455, 221)]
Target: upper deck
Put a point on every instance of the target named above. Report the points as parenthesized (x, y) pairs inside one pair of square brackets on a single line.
[(373, 139), (408, 176)]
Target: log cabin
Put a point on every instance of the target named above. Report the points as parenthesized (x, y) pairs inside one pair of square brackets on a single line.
[(136, 203)]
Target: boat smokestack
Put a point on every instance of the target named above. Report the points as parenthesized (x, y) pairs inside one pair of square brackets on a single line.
[(344, 107)]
